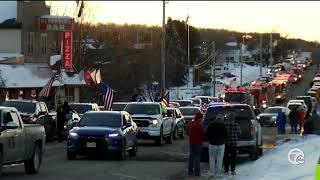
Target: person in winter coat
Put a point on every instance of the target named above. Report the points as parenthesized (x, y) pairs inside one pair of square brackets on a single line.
[(196, 133), (309, 123), (230, 153), (294, 116), (61, 119), (301, 119), (281, 122), (216, 134)]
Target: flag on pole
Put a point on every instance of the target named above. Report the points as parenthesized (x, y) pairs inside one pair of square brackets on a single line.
[(45, 91), (107, 96), (165, 99), (81, 8)]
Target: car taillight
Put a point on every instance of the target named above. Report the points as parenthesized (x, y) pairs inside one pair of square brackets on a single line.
[(251, 130)]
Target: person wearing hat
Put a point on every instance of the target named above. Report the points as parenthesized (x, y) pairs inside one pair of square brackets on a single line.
[(196, 134), (216, 134)]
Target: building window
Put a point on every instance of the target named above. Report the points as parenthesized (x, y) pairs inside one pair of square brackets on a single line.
[(43, 44), (30, 42)]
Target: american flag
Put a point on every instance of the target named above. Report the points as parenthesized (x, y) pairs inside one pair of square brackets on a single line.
[(165, 100), (107, 96), (45, 91)]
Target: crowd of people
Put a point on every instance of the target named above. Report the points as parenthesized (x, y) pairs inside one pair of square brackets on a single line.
[(222, 134)]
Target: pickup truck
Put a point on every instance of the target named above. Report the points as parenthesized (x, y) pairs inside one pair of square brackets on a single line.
[(35, 112), (250, 140), (20, 142), (152, 124)]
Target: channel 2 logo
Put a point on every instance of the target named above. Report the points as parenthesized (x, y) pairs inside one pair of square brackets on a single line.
[(296, 156)]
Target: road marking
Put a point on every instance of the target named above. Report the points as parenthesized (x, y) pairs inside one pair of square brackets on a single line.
[(123, 175)]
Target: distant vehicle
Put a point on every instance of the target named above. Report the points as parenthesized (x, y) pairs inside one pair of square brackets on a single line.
[(174, 104), (294, 105), (189, 113), (82, 108), (312, 93), (295, 78), (196, 101), (275, 68), (103, 132), (152, 123), (269, 116), (305, 107), (35, 112), (20, 142), (204, 99), (184, 102), (178, 122), (119, 106), (316, 80), (250, 140)]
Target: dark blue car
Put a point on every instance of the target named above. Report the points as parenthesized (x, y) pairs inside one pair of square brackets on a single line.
[(103, 132)]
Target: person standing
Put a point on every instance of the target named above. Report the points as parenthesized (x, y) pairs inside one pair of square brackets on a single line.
[(230, 153), (196, 134), (60, 122), (301, 120), (294, 120), (281, 122), (216, 134)]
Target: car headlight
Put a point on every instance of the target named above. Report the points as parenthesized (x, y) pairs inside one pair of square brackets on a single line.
[(278, 96), (274, 117), (258, 117), (264, 105), (295, 79), (73, 134), (155, 122), (65, 126), (300, 76), (113, 134)]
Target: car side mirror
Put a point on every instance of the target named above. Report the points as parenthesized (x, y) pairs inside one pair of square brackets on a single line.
[(10, 125)]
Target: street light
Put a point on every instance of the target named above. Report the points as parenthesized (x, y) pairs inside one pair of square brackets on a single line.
[(243, 38)]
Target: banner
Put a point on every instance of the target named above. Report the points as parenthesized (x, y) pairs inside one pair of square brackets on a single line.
[(67, 50)]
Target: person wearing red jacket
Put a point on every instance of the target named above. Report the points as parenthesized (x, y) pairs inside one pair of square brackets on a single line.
[(196, 134), (301, 119)]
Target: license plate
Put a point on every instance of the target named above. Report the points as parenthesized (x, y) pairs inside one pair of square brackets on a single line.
[(91, 144)]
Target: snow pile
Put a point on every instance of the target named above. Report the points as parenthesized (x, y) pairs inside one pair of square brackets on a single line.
[(8, 10), (54, 59), (275, 165), (5, 56)]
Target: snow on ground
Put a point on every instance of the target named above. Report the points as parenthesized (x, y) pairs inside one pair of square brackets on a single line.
[(54, 59), (274, 164)]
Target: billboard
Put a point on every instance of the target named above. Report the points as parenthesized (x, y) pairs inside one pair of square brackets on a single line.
[(56, 23), (67, 50)]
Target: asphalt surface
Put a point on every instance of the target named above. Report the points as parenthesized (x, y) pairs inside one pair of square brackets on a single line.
[(151, 163)]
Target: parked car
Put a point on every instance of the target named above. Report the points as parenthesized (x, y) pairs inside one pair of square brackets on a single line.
[(294, 105), (178, 122), (196, 101), (304, 106), (19, 142), (152, 123), (82, 108), (184, 102), (189, 112), (269, 116), (35, 112), (308, 102), (250, 140), (118, 106), (103, 132)]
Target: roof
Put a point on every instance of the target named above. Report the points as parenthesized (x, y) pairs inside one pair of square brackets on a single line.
[(34, 75)]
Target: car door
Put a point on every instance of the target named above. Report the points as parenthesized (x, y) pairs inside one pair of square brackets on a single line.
[(19, 138), (166, 124), (9, 135), (130, 131), (125, 131)]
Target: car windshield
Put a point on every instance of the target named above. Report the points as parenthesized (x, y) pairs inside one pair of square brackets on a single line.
[(195, 101), (101, 119), (189, 111), (235, 97), (185, 103), (81, 108), (273, 110), (241, 112), (205, 100), (149, 109), (118, 107), (23, 107)]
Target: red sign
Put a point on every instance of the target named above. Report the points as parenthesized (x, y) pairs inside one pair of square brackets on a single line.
[(56, 23), (67, 50)]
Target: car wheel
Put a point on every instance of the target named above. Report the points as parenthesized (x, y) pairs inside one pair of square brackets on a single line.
[(169, 139), (134, 150), (175, 133), (254, 153), (32, 165), (159, 141), (182, 133), (71, 155), (1, 162)]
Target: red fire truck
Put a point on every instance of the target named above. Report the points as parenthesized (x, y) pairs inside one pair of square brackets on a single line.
[(260, 92), (281, 84), (239, 95)]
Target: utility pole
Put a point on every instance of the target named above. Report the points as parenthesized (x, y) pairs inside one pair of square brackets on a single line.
[(188, 51), (241, 63), (163, 51), (271, 44), (260, 55), (213, 69)]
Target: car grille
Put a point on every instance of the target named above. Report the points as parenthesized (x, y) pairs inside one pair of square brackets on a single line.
[(265, 119), (101, 143), (141, 123)]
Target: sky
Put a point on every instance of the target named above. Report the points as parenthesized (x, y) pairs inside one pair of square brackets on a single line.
[(295, 19)]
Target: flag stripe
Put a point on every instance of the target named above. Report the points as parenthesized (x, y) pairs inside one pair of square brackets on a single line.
[(107, 97), (45, 91)]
